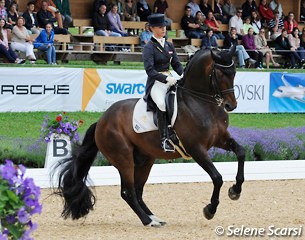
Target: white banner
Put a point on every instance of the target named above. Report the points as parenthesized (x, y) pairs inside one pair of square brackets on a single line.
[(40, 89)]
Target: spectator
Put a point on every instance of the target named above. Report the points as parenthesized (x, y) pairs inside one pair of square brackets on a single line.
[(97, 4), (214, 24), (120, 5), (302, 11), (275, 26), (8, 3), (146, 35), (31, 22), (200, 18), (101, 23), (243, 57), (143, 10), (52, 9), (283, 47), (64, 8), (303, 38), (249, 44), (194, 7), (189, 25), (12, 14), (161, 6), (44, 16), (275, 5), (205, 7), (247, 7), (218, 12), (229, 9), (237, 23), (265, 12), (45, 43), (248, 25), (261, 46), (256, 20), (5, 48), (295, 43), (115, 21), (21, 40), (290, 23), (3, 10), (130, 11), (209, 40)]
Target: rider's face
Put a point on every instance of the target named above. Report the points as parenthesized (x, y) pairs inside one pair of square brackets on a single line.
[(159, 32)]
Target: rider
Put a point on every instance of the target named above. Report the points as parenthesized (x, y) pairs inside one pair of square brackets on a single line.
[(158, 55)]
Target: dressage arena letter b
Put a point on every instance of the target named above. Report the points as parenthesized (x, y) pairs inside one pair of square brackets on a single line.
[(60, 148)]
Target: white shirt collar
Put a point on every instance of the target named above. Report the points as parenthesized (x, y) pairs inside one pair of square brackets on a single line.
[(161, 41)]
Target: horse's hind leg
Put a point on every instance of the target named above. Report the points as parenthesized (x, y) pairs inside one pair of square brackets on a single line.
[(235, 190)]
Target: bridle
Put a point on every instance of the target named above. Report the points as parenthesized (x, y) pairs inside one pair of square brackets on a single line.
[(217, 96)]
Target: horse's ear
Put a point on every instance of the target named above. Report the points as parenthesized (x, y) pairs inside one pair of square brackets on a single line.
[(215, 56), (232, 50)]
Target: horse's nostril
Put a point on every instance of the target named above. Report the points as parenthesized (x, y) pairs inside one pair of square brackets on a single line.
[(229, 107)]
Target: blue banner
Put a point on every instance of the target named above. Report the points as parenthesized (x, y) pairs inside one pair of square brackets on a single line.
[(287, 92)]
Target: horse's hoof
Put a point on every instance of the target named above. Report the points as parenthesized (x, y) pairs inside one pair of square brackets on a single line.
[(155, 218), (232, 194), (154, 223), (206, 212)]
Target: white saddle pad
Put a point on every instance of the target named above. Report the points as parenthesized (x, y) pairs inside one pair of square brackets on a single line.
[(142, 120)]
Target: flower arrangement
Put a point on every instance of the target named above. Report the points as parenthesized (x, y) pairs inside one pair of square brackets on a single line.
[(19, 200), (60, 125)]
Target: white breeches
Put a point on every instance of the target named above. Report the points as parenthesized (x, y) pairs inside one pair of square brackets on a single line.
[(26, 48), (158, 92)]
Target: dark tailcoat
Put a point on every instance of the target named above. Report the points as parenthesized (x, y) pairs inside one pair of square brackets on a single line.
[(158, 59)]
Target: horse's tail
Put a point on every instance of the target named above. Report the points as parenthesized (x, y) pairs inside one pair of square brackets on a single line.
[(78, 197)]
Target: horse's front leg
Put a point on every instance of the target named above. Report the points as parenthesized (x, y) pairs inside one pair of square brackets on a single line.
[(202, 158), (235, 190)]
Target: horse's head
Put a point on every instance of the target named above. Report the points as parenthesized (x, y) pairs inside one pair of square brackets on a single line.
[(222, 78)]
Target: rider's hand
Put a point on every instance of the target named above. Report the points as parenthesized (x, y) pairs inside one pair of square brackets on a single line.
[(171, 80)]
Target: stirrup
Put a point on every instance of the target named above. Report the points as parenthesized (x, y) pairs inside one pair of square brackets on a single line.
[(167, 146)]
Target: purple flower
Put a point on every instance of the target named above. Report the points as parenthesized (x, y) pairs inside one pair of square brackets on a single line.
[(3, 236), (10, 219), (8, 171), (23, 216)]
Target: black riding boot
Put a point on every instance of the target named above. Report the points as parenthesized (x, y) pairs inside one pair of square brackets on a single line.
[(162, 125)]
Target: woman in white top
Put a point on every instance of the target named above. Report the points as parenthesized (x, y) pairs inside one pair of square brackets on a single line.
[(21, 40), (261, 45), (295, 43)]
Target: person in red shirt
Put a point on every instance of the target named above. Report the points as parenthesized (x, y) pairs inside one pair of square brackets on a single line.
[(214, 25), (265, 12), (290, 23)]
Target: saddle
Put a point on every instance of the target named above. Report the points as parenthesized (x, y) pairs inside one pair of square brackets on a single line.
[(144, 121)]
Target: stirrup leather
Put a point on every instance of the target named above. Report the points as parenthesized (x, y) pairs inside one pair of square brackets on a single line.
[(167, 146)]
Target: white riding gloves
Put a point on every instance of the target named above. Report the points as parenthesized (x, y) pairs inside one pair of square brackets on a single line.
[(171, 80)]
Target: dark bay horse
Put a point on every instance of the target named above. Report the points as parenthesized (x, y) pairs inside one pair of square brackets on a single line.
[(204, 96)]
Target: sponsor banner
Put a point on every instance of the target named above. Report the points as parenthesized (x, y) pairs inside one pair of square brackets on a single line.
[(252, 92), (287, 92), (40, 89)]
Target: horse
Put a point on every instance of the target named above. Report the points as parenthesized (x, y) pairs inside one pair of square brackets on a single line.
[(204, 95)]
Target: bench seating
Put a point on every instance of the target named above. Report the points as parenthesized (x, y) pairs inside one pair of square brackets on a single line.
[(102, 40)]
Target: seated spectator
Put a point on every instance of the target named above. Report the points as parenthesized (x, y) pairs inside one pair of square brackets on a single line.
[(120, 4), (130, 14), (243, 57), (115, 21), (247, 7), (237, 23), (3, 10), (161, 6), (143, 10), (283, 47), (302, 11), (52, 9), (64, 8), (44, 16), (5, 48), (45, 43), (21, 40), (200, 18), (295, 43), (214, 24), (97, 4), (205, 7), (229, 9), (290, 23), (248, 25), (12, 14), (146, 35), (8, 3), (249, 44), (275, 5), (303, 38), (189, 25), (101, 23), (261, 46), (31, 22), (219, 13), (265, 12), (209, 40), (256, 21), (194, 7), (275, 26)]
